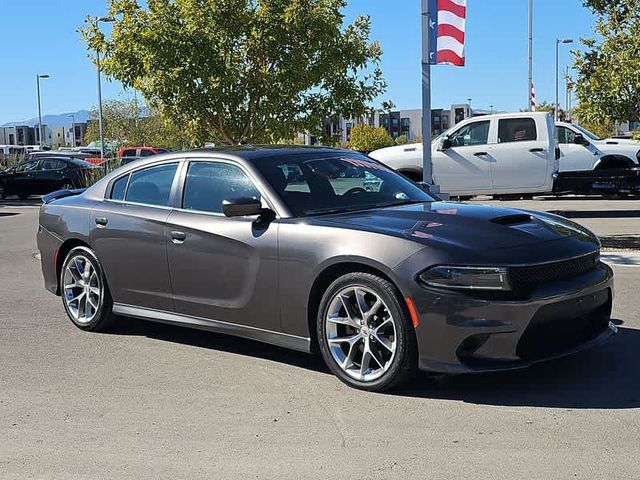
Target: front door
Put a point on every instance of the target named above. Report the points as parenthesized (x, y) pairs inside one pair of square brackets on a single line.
[(222, 268), (23, 181), (129, 236), (465, 167), (521, 155), (575, 157)]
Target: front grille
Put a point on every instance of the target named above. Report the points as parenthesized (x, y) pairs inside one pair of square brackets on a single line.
[(559, 327), (527, 277)]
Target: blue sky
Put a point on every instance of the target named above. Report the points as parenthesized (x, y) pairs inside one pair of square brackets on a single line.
[(43, 38)]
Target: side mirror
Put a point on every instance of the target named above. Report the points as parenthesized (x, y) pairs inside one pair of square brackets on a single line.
[(242, 207), (580, 140), (446, 144)]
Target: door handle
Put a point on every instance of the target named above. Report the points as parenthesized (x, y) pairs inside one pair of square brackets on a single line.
[(101, 221), (480, 154), (178, 237), (536, 150)]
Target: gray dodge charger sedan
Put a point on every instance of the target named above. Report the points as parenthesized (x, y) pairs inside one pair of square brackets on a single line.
[(329, 251)]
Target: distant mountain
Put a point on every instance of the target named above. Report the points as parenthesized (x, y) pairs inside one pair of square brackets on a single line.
[(53, 120)]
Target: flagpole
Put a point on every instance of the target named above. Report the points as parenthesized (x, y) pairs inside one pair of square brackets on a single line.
[(530, 54), (426, 96)]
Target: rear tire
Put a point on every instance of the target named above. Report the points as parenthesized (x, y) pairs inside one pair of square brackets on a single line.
[(365, 334), (84, 290)]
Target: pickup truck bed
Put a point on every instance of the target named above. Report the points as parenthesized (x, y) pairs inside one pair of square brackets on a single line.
[(607, 182)]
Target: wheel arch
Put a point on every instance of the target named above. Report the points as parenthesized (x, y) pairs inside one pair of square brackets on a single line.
[(614, 161), (325, 278), (62, 253)]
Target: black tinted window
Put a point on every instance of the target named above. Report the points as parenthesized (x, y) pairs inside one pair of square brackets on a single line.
[(152, 186), (129, 153), (27, 166), (517, 130), (146, 153), (119, 188), (208, 184), (52, 164)]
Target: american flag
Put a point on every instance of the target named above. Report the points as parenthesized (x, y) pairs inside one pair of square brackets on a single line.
[(447, 23), (533, 98)]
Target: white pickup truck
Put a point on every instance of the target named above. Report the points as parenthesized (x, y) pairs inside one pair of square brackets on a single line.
[(502, 154), (589, 164)]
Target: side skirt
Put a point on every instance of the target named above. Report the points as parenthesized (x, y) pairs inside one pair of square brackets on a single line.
[(267, 336)]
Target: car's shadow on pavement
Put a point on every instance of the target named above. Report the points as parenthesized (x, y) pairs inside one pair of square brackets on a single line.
[(220, 342), (15, 202), (606, 377)]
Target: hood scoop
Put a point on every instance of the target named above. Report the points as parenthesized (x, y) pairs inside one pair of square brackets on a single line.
[(509, 220)]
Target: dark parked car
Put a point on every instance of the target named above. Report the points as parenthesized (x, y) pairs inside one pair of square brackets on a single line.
[(382, 281), (43, 174)]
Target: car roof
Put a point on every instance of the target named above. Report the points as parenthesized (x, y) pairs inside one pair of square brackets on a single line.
[(254, 152)]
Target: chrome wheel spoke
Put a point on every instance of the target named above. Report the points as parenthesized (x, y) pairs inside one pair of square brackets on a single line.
[(360, 333), (82, 289)]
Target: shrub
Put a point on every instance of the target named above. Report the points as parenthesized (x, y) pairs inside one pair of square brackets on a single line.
[(366, 138)]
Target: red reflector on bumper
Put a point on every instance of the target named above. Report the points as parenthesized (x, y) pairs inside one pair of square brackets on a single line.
[(415, 321)]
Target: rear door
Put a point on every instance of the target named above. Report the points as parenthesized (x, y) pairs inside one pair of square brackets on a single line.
[(465, 167), (50, 175), (222, 268), (521, 155), (129, 236)]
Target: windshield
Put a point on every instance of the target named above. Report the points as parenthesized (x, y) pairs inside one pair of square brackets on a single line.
[(313, 184), (587, 133)]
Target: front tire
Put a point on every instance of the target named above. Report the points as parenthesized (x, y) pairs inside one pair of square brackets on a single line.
[(364, 333), (85, 294)]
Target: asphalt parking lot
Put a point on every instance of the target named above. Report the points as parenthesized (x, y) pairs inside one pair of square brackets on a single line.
[(152, 401)]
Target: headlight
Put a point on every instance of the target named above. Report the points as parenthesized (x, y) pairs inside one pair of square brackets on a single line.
[(467, 278)]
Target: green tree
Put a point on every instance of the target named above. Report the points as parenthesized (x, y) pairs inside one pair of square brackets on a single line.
[(366, 138), (124, 125), (608, 84), (239, 71), (402, 140)]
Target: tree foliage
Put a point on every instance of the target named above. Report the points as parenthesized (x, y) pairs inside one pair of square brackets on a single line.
[(124, 125), (608, 83), (238, 71), (365, 138)]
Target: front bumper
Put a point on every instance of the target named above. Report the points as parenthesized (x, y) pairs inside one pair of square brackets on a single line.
[(460, 333)]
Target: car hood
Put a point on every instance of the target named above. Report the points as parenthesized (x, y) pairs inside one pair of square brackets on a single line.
[(476, 227)]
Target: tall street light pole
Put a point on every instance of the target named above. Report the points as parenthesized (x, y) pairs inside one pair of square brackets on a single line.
[(426, 93), (100, 125), (38, 77), (557, 106), (530, 88), (73, 128)]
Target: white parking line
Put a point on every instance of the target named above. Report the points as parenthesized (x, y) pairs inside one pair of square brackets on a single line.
[(621, 259)]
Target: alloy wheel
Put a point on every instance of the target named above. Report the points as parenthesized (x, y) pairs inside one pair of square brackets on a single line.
[(361, 333), (82, 289)]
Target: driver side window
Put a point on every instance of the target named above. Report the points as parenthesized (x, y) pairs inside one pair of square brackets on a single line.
[(27, 166), (566, 135), (476, 133)]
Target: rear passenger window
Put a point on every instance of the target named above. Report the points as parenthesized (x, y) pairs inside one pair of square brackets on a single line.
[(119, 188), (208, 184), (517, 130), (146, 153), (129, 153), (152, 186)]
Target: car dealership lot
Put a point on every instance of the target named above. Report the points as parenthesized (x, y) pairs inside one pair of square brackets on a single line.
[(153, 401)]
